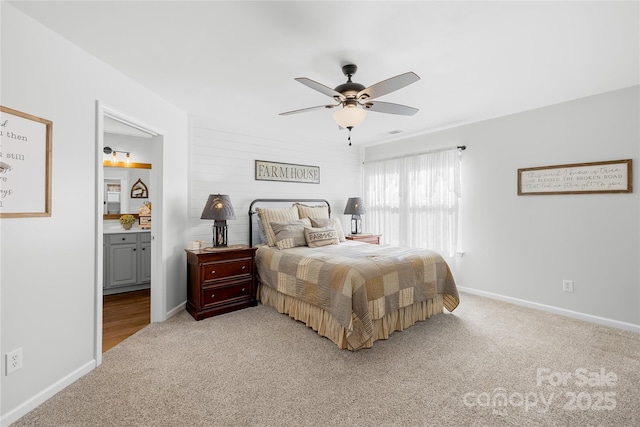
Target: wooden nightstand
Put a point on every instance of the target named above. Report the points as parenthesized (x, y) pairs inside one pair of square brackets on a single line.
[(367, 238), (220, 280)]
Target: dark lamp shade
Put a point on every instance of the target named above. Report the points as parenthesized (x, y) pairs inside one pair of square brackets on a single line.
[(355, 206), (218, 207)]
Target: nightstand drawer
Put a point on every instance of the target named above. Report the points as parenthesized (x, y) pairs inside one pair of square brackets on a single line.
[(225, 270), (223, 294)]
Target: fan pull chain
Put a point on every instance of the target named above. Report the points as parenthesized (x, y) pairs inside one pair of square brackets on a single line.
[(349, 139)]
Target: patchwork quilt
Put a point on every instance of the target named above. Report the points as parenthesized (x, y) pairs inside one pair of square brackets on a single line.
[(357, 282)]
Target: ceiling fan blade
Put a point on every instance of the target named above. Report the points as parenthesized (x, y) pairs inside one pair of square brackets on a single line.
[(321, 88), (389, 85), (304, 110), (389, 108)]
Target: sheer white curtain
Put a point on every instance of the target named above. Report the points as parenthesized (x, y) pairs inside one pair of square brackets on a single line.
[(415, 201)]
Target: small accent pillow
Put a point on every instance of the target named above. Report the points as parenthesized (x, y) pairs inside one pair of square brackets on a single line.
[(333, 222), (269, 215), (290, 234), (305, 211), (324, 236)]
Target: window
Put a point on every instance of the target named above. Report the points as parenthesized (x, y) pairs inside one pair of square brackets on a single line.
[(415, 201)]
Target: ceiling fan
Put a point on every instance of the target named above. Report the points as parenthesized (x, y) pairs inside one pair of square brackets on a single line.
[(355, 99)]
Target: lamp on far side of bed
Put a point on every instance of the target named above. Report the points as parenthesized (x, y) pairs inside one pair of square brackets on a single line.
[(355, 208), (219, 209)]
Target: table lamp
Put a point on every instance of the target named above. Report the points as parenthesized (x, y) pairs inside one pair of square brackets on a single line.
[(355, 208), (219, 209)]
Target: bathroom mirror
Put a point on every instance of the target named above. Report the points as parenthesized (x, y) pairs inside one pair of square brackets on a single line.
[(121, 181)]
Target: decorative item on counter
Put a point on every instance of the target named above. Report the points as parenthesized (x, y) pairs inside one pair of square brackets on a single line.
[(144, 216), (127, 220)]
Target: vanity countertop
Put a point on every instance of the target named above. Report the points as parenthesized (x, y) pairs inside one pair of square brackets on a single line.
[(119, 229)]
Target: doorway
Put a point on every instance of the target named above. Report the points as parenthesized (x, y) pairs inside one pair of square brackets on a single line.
[(113, 126)]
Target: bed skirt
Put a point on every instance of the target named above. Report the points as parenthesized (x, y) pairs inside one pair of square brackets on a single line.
[(325, 324)]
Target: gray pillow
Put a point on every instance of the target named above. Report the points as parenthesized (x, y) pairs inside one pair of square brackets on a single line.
[(289, 234)]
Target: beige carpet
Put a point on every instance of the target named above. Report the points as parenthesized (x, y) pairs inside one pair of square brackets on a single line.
[(488, 364)]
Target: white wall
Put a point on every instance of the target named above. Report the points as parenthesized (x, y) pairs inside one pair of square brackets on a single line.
[(48, 274), (522, 247), (223, 161), (139, 147)]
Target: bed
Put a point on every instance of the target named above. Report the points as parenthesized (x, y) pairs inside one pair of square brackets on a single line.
[(350, 292)]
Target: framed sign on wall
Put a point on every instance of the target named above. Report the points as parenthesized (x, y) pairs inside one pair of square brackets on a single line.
[(287, 172), (25, 164), (614, 176)]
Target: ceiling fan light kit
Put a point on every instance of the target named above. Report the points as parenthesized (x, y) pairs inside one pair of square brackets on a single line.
[(351, 96), (349, 116)]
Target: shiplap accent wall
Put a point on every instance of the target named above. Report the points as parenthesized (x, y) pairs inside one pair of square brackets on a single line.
[(223, 161)]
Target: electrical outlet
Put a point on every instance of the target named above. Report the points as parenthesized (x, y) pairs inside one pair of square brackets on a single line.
[(14, 360), (567, 285)]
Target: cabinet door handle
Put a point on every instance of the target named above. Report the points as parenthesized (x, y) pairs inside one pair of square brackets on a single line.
[(134, 249), (144, 249)]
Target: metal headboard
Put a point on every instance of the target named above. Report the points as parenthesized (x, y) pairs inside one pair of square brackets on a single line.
[(252, 212)]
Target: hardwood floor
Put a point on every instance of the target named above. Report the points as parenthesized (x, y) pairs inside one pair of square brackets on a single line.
[(123, 315)]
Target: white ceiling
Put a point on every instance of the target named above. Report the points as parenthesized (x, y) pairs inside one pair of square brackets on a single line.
[(236, 61)]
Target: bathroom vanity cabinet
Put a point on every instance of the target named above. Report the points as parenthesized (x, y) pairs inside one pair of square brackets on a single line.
[(127, 261)]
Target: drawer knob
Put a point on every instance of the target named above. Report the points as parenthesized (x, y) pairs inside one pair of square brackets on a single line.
[(243, 289), (243, 267), (124, 238), (213, 272), (213, 295)]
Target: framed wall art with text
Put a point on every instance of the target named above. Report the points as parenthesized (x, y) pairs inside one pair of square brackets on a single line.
[(613, 176), (25, 164), (272, 171)]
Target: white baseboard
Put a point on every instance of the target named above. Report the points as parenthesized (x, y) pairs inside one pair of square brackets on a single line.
[(561, 311), (37, 400), (176, 310)]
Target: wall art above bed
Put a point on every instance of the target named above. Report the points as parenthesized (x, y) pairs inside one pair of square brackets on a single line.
[(287, 172), (614, 176)]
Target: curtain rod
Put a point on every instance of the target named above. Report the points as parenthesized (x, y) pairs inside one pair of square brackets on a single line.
[(437, 150)]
